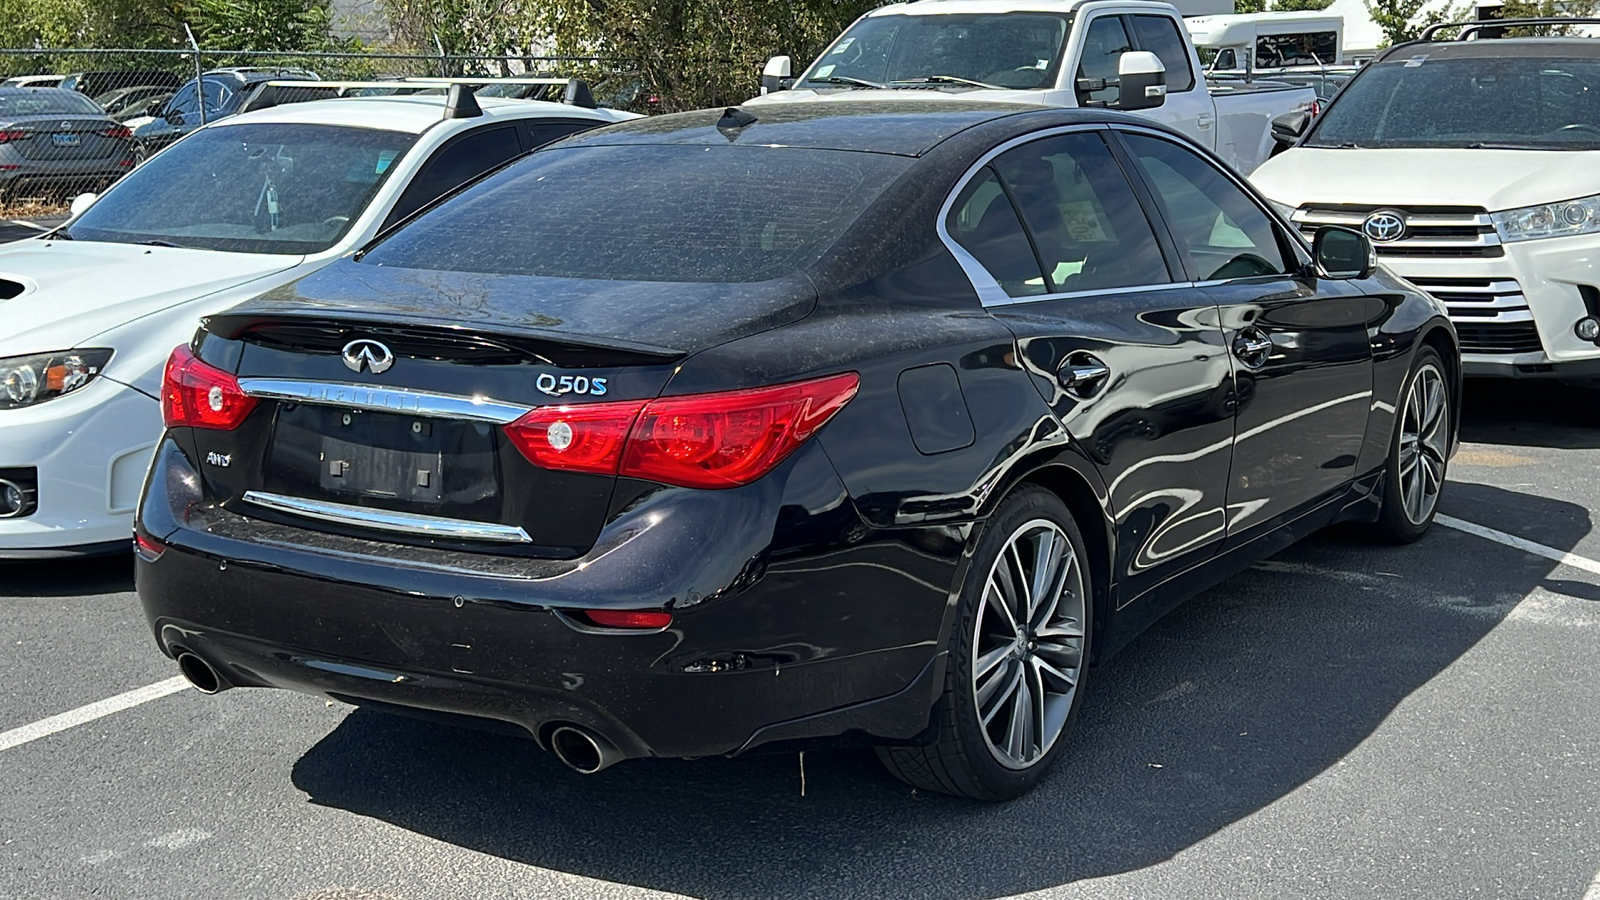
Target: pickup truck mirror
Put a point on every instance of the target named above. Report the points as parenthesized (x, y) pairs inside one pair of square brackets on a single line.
[(778, 75), (1287, 128), (1143, 79), (1343, 252), (81, 203)]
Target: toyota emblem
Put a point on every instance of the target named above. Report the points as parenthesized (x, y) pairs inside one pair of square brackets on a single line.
[(1384, 226), (364, 353)]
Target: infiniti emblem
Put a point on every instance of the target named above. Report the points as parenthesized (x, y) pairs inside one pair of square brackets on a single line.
[(364, 353), (1384, 226)]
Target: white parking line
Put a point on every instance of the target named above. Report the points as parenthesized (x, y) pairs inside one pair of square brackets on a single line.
[(1511, 540), (16, 737)]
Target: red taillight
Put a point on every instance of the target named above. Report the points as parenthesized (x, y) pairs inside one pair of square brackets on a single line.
[(7, 137), (196, 394), (118, 132), (701, 441), (1316, 108), (628, 618), (586, 438), (148, 548)]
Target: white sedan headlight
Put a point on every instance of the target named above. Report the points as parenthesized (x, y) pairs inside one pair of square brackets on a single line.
[(26, 380), (1581, 216)]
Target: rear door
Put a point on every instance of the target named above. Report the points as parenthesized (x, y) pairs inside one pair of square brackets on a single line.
[(1299, 344), (1129, 357)]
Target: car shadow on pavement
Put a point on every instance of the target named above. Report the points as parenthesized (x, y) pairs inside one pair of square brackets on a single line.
[(1530, 414), (67, 577), (1223, 707)]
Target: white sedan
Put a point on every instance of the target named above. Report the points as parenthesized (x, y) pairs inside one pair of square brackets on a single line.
[(92, 310)]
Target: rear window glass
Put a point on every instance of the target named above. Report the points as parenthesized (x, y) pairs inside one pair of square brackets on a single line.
[(44, 102), (647, 213)]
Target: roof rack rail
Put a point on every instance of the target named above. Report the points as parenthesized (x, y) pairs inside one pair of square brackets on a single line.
[(1468, 29), (577, 91), (460, 103)]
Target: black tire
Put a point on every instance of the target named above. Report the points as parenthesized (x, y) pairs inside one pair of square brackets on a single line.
[(965, 760), (1397, 521)]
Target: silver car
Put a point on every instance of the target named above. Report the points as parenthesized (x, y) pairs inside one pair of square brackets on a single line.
[(56, 142)]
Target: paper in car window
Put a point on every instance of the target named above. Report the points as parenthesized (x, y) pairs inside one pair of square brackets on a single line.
[(1042, 64), (823, 71), (1417, 60), (844, 45), (385, 157)]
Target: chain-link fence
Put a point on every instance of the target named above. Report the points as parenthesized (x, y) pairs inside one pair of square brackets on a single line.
[(73, 121)]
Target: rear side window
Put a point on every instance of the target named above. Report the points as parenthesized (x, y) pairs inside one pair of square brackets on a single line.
[(1087, 225), (661, 212), (44, 103), (985, 224), (460, 161), (549, 132), (1160, 36)]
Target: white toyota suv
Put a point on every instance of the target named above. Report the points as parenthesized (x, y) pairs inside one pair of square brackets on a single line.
[(1474, 167), (92, 310)]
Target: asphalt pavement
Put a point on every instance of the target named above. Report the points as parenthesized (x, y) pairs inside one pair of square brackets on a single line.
[(17, 229), (1345, 720)]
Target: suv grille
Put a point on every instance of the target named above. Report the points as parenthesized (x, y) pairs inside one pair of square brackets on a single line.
[(1493, 337), (1430, 231)]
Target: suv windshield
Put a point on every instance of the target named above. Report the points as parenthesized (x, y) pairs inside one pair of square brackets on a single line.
[(249, 189), (704, 214), (1014, 50), (1518, 102)]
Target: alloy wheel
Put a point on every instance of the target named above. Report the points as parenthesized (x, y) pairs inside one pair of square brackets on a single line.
[(1027, 651), (1424, 444)]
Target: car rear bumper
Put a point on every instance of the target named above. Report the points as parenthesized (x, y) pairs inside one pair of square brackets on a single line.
[(89, 450), (794, 646)]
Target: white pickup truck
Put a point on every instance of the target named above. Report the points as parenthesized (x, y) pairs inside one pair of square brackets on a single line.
[(1066, 53)]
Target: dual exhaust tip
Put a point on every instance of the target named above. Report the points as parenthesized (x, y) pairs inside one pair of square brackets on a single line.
[(578, 748)]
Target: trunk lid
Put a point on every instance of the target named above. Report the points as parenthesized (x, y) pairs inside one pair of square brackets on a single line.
[(415, 451), (67, 137)]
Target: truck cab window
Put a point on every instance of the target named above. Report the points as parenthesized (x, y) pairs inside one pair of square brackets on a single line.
[(1160, 36), (1103, 46)]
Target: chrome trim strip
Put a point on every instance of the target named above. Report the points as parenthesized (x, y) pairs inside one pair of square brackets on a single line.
[(388, 520), (376, 399)]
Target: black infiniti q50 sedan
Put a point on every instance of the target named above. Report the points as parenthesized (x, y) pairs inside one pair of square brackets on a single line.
[(723, 430)]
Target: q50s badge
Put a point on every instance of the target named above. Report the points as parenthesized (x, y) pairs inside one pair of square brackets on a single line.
[(570, 384)]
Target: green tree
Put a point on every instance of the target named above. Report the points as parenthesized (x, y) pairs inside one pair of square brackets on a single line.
[(1545, 9), (1297, 5), (286, 25), (1250, 6), (1404, 20)]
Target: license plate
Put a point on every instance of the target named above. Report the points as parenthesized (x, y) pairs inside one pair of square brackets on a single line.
[(65, 140)]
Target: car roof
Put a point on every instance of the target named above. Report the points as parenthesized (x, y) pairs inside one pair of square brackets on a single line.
[(899, 127), (1528, 47), (412, 113)]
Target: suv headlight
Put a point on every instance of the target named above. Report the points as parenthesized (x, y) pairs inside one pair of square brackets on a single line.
[(1581, 216), (26, 380)]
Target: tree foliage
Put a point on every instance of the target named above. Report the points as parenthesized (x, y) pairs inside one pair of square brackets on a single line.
[(287, 25), (1404, 20), (1298, 5)]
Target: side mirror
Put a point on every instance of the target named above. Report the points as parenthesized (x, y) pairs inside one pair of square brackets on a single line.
[(778, 75), (1287, 128), (81, 203), (1343, 253), (1144, 80)]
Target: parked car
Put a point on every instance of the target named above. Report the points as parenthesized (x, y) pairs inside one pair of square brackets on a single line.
[(821, 434), (130, 101), (1087, 53), (92, 310), (57, 141), (1474, 166), (95, 84), (225, 92), (1267, 41), (32, 81)]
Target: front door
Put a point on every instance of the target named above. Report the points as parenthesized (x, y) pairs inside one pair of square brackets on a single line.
[(1299, 344), (1130, 358)]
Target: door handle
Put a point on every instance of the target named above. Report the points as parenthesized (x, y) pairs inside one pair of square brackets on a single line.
[(1082, 375), (1252, 347), (1204, 120)]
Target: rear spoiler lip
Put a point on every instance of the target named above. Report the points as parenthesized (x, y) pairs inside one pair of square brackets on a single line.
[(235, 322)]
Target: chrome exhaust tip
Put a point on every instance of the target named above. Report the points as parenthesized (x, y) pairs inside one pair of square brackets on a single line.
[(583, 751), (200, 675)]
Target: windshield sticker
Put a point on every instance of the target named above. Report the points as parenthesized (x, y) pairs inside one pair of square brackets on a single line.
[(385, 157), (843, 45), (823, 72), (1415, 61), (1042, 64)]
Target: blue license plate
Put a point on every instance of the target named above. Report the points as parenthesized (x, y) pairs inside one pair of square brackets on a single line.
[(64, 140)]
